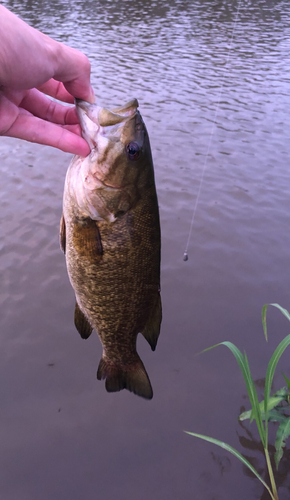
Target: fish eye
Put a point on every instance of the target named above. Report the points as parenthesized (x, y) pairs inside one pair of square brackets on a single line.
[(133, 150)]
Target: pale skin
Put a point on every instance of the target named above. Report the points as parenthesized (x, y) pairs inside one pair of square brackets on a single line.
[(32, 65)]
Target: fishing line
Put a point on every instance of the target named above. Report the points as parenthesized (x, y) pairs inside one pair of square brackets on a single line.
[(185, 255)]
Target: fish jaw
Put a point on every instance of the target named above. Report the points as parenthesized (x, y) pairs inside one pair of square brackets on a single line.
[(90, 128)]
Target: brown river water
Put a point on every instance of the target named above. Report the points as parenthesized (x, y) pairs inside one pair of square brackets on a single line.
[(63, 437)]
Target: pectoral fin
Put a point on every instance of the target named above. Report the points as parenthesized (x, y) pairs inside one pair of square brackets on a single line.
[(81, 323), (87, 239), (152, 327), (62, 235), (98, 240)]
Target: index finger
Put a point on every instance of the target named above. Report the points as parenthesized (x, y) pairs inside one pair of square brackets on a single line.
[(57, 90), (33, 129), (74, 69)]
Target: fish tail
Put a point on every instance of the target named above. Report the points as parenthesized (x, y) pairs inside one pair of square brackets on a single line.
[(132, 377)]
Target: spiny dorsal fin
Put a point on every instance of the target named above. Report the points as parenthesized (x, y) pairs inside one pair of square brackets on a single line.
[(81, 323), (152, 327)]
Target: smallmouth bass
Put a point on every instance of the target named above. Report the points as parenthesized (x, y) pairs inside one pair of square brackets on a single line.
[(110, 234)]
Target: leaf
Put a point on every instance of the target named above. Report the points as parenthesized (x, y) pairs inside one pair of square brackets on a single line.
[(276, 416), (283, 433), (256, 413), (264, 323), (264, 312), (245, 415), (273, 401), (234, 452), (270, 374), (282, 392), (287, 381), (283, 311), (273, 415), (251, 389)]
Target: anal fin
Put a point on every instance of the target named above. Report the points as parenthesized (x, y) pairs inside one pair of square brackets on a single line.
[(81, 323), (152, 328)]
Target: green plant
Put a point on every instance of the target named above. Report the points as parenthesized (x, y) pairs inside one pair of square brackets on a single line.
[(270, 409), (278, 411)]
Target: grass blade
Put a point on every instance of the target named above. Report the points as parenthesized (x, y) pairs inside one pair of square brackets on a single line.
[(234, 452), (270, 374), (287, 381), (256, 412), (283, 311), (264, 323), (264, 312), (251, 389)]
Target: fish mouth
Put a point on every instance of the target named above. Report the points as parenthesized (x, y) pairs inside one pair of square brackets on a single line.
[(93, 117), (117, 113)]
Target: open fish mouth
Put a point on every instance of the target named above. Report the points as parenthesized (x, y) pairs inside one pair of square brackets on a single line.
[(108, 117), (93, 118)]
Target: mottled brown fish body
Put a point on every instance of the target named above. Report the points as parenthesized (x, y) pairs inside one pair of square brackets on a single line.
[(112, 247)]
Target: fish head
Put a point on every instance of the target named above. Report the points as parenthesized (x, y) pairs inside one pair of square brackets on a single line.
[(120, 154)]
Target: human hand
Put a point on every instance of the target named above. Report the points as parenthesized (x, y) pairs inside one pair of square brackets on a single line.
[(32, 64)]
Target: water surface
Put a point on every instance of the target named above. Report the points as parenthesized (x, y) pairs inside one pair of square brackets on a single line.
[(62, 435)]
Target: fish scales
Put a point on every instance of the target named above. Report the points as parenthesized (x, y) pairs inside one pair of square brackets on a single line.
[(113, 254)]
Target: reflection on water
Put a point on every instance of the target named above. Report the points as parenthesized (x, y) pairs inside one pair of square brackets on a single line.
[(62, 436)]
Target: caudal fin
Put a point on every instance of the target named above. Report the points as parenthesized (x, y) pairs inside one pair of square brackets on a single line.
[(132, 377)]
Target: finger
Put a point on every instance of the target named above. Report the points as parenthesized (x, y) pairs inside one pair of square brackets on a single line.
[(51, 59), (42, 106), (8, 113), (74, 70), (57, 90), (77, 89), (33, 129)]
